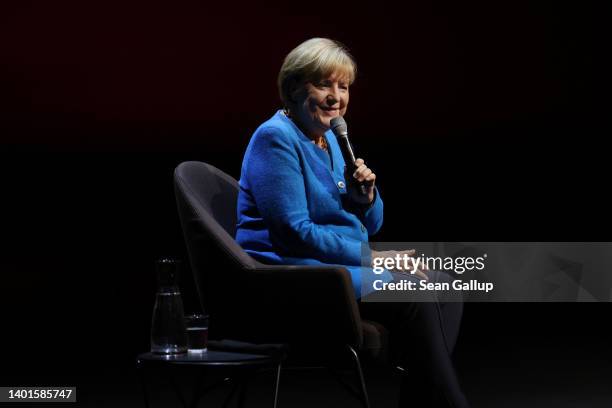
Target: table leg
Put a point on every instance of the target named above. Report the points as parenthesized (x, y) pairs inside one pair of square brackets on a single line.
[(198, 391), (143, 382), (177, 390), (243, 387)]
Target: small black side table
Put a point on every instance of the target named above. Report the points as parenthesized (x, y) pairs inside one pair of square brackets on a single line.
[(237, 366)]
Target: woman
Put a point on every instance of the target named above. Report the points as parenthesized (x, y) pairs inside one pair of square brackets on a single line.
[(296, 206)]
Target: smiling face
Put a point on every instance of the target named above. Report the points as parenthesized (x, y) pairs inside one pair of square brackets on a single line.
[(317, 102)]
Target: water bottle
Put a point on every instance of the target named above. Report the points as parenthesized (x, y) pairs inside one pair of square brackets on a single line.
[(168, 331)]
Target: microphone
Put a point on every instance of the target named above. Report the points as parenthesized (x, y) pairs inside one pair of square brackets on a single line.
[(338, 126)]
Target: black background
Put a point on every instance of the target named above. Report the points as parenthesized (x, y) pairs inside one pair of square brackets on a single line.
[(481, 121)]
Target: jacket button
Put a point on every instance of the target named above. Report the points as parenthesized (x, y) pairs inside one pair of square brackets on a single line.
[(341, 184)]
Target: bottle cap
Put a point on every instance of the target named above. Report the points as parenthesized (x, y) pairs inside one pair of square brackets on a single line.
[(168, 271)]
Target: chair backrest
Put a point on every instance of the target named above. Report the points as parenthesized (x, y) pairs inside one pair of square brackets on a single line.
[(206, 201)]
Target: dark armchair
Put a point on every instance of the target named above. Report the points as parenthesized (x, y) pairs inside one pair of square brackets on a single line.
[(311, 309)]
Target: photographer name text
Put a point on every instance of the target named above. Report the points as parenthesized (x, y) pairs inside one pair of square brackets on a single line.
[(423, 285)]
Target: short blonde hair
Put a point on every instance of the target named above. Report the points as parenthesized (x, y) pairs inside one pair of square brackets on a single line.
[(314, 60)]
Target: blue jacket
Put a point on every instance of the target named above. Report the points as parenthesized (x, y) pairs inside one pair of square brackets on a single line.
[(293, 205)]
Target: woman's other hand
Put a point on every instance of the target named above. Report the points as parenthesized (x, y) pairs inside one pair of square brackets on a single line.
[(362, 174), (400, 266)]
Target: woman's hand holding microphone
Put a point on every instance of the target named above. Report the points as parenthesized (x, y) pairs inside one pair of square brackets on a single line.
[(361, 175)]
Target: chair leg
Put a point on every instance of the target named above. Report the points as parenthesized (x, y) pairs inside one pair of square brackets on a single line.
[(276, 384), (364, 392)]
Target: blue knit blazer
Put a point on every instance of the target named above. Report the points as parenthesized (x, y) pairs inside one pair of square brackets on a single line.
[(293, 207)]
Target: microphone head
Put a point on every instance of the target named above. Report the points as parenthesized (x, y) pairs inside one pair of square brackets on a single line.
[(338, 126)]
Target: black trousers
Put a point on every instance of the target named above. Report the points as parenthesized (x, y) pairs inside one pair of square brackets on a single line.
[(423, 336)]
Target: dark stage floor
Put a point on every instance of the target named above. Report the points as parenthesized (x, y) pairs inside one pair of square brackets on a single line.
[(519, 372)]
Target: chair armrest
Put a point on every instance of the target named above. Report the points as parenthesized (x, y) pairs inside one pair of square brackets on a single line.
[(312, 305)]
